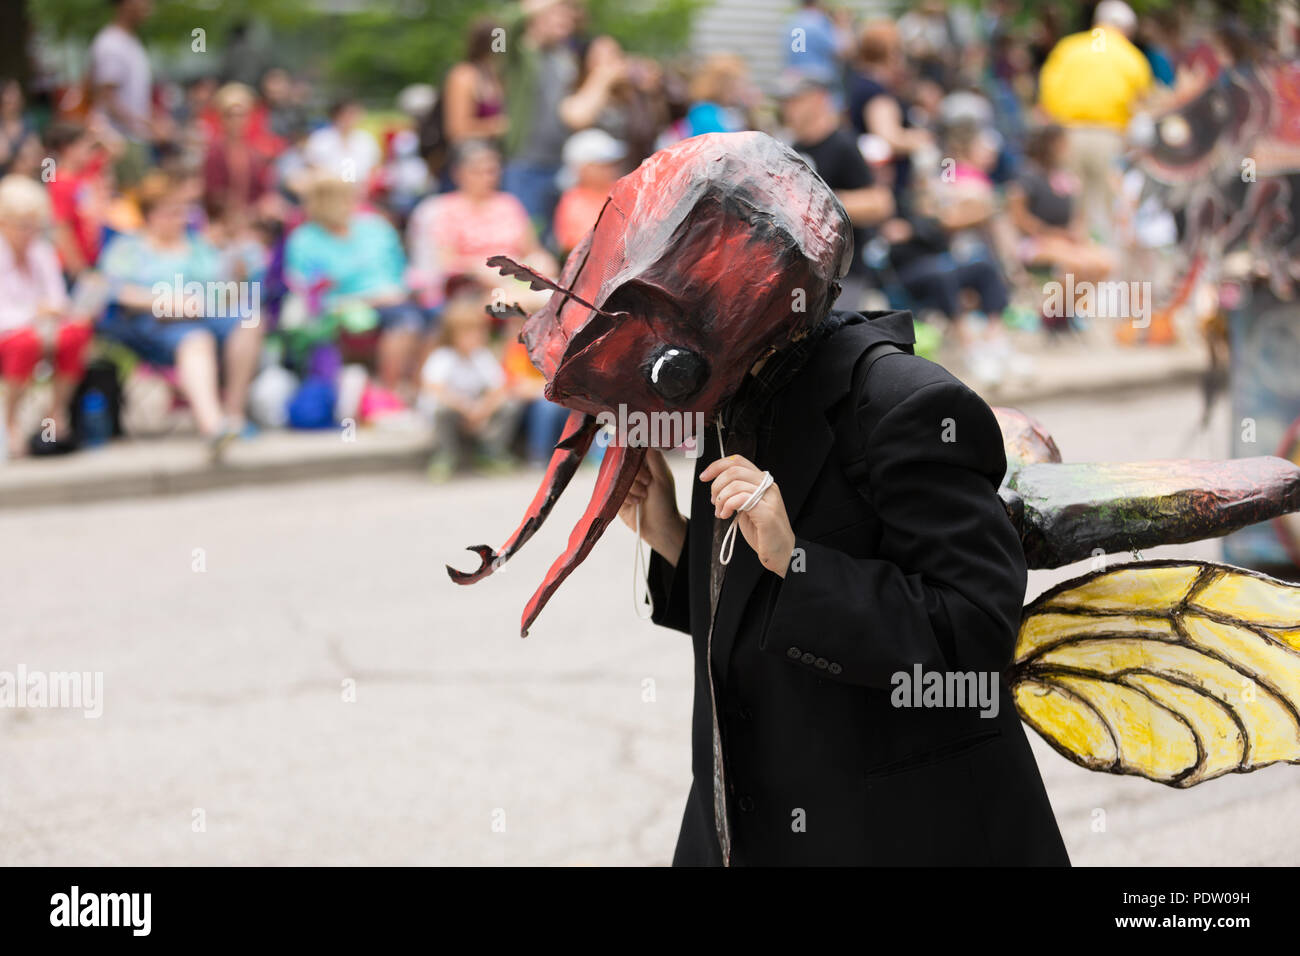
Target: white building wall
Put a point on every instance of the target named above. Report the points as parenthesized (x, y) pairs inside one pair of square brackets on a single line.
[(756, 29)]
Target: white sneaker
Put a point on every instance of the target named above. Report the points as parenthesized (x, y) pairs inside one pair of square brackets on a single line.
[(985, 365)]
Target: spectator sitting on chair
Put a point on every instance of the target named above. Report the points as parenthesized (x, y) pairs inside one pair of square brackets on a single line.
[(34, 308), (359, 255), (965, 200), (1044, 209), (196, 342), (454, 233), (920, 254)]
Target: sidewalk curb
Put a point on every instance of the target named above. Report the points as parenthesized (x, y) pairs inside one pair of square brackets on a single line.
[(1048, 392), (147, 482), (162, 482)]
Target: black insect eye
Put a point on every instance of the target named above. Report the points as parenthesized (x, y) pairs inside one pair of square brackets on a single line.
[(676, 373)]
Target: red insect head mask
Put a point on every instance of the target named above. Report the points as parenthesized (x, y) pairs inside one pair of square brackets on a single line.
[(705, 258)]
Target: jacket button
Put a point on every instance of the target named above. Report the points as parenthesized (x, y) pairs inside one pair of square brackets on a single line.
[(809, 658), (793, 653), (820, 662), (746, 803), (834, 668), (745, 713)]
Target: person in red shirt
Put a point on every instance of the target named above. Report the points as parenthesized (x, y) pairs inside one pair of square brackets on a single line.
[(257, 128), (236, 173), (79, 193)]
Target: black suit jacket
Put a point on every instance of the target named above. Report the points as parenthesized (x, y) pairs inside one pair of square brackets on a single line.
[(908, 559)]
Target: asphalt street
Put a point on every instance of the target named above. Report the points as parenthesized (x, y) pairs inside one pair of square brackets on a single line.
[(290, 678)]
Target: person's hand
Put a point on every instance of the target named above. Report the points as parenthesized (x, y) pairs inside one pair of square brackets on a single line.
[(645, 74), (160, 128), (662, 525), (896, 231), (476, 268), (272, 205), (529, 389), (386, 297), (612, 72), (478, 414), (192, 306), (765, 526), (47, 330)]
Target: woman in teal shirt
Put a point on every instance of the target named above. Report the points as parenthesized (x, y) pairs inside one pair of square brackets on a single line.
[(358, 257), (172, 303)]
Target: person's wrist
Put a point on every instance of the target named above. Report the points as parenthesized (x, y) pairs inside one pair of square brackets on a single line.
[(669, 541), (786, 549)]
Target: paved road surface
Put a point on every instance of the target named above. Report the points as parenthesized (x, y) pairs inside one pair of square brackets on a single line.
[(224, 688)]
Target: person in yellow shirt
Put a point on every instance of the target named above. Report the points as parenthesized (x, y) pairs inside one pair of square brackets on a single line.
[(1091, 84)]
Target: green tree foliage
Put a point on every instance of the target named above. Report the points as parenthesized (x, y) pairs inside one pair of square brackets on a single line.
[(172, 20), (370, 46)]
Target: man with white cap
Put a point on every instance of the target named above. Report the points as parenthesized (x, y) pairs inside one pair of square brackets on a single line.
[(593, 162), (1091, 84)]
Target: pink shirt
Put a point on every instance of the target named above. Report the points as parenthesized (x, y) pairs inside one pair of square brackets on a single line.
[(449, 224), (965, 174), (24, 289)]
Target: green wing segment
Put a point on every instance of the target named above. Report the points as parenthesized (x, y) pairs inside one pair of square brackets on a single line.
[(1067, 512)]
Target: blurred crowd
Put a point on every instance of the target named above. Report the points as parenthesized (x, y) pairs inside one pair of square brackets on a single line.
[(261, 258)]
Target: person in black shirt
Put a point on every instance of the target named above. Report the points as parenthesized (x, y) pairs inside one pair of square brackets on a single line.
[(875, 83), (808, 111), (1043, 208)]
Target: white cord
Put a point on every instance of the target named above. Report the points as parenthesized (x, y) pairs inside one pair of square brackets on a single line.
[(729, 539), (645, 607)]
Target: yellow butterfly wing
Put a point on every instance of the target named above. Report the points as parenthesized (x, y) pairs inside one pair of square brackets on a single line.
[(1177, 671)]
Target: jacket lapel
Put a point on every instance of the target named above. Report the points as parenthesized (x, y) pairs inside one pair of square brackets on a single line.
[(801, 439)]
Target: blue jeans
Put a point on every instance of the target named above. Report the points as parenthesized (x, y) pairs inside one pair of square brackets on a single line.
[(543, 424), (937, 281), (156, 340), (404, 317), (533, 184)]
